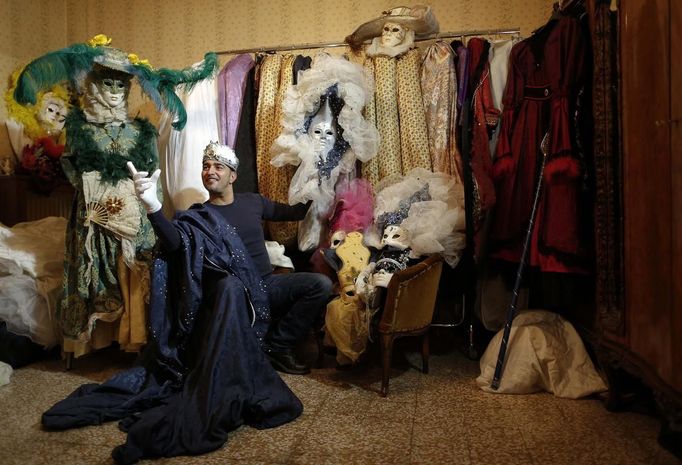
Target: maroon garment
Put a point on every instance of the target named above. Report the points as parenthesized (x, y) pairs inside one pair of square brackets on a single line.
[(546, 73), (484, 119)]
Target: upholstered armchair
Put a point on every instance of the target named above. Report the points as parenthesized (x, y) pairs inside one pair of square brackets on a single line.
[(408, 310)]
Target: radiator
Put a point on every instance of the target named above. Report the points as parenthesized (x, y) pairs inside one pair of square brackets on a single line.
[(19, 202), (40, 206)]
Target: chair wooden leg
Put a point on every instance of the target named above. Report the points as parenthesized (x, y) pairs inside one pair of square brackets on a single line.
[(68, 359), (425, 353), (386, 352)]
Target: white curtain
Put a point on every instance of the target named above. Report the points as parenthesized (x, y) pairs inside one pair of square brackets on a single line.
[(181, 151)]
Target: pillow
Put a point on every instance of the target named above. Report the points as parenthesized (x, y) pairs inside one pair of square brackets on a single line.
[(544, 353)]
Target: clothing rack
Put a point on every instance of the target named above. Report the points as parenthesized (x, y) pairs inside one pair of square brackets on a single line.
[(436, 36)]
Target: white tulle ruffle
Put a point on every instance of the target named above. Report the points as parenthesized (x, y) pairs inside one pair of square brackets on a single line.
[(294, 145), (436, 225)]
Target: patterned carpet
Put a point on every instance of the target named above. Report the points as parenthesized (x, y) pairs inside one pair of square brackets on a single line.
[(437, 418)]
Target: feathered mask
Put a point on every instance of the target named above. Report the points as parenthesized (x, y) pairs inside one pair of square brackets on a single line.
[(73, 63)]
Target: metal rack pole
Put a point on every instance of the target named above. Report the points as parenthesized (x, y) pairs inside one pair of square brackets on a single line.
[(436, 36)]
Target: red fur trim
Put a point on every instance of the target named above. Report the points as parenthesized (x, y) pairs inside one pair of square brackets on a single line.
[(562, 167)]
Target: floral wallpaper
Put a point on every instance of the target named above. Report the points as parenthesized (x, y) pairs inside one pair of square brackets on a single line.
[(177, 33)]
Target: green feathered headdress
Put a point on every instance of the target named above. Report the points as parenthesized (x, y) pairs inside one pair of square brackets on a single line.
[(75, 62)]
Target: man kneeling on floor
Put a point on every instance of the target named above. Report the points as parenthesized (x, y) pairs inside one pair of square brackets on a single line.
[(296, 300)]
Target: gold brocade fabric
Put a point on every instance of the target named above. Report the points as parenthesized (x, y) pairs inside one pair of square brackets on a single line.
[(354, 256), (439, 91), (398, 112), (388, 124), (370, 170), (132, 329), (413, 133), (268, 77), (276, 76), (346, 320), (346, 325)]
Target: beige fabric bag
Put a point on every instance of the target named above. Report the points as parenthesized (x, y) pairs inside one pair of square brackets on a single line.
[(544, 353)]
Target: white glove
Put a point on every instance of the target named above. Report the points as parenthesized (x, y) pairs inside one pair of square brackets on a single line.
[(145, 187)]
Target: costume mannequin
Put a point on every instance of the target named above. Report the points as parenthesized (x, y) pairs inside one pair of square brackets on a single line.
[(397, 110), (395, 255), (108, 239), (52, 113), (393, 32), (315, 137), (313, 179), (418, 214), (28, 124), (347, 318)]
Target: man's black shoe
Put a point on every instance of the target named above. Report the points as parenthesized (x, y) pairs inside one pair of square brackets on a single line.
[(286, 363)]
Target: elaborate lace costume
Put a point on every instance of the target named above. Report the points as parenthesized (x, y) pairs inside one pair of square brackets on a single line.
[(429, 206), (108, 236), (328, 98)]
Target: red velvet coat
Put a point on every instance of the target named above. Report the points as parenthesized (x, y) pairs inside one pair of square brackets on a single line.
[(546, 73)]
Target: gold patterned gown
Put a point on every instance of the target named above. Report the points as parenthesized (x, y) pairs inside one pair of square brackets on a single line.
[(439, 91), (104, 298), (398, 112), (276, 76)]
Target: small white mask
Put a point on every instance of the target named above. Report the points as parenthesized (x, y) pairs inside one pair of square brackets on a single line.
[(324, 137), (323, 131), (392, 34), (396, 237), (52, 113), (110, 91), (337, 239)]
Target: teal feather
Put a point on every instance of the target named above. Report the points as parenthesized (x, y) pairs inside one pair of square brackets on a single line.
[(53, 68), (175, 107), (149, 83), (159, 85), (189, 76), (185, 79)]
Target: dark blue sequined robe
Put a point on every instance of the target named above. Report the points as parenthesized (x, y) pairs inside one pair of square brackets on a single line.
[(203, 373)]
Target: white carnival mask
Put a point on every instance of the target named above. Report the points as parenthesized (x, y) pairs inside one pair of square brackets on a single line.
[(111, 92), (392, 34), (323, 131), (396, 237), (52, 113), (337, 239)]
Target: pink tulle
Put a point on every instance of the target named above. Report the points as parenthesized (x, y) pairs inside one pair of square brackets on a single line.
[(353, 206)]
